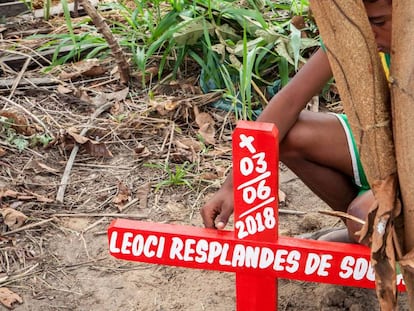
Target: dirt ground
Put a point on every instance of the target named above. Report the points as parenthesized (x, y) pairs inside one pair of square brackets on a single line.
[(57, 258)]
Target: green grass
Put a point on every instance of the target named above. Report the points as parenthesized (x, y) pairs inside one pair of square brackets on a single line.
[(177, 176), (233, 46)]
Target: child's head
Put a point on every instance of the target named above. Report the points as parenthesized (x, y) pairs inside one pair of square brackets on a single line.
[(379, 14)]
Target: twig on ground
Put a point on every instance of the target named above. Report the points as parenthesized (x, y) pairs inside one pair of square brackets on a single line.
[(93, 225), (29, 226), (8, 279), (115, 215), (66, 175), (291, 212), (19, 77), (343, 216)]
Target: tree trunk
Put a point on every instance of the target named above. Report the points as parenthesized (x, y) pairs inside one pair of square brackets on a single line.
[(402, 88), (353, 56)]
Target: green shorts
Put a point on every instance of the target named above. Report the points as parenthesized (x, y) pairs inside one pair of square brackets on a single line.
[(360, 178)]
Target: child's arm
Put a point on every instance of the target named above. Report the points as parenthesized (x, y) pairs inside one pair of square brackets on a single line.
[(283, 110)]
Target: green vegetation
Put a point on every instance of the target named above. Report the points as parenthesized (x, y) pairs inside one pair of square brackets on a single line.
[(240, 47), (10, 132), (175, 177)]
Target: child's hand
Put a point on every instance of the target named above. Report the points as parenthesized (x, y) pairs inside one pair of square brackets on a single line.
[(217, 210)]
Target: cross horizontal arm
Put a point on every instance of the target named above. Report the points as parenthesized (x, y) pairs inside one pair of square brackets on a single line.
[(201, 248)]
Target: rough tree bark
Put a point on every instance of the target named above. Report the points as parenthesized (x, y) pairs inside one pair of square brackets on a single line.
[(402, 91), (364, 91)]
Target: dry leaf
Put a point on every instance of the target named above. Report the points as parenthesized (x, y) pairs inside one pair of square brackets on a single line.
[(2, 152), (8, 298), (150, 72), (12, 218), (142, 151), (142, 195), (94, 148), (103, 98), (164, 104), (63, 89), (78, 138), (18, 122), (97, 149), (117, 109), (88, 68), (23, 196), (171, 105), (207, 176), (39, 167), (122, 197), (206, 124), (219, 151), (202, 118), (8, 193), (208, 132), (188, 143)]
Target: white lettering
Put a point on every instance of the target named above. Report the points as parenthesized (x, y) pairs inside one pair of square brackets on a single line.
[(346, 264), (247, 142), (201, 250), (223, 257), (151, 239), (357, 268), (188, 250), (238, 256), (252, 256), (126, 243), (318, 264), (266, 258), (137, 245), (215, 251), (360, 269), (160, 249), (176, 248), (279, 260), (112, 243), (293, 259)]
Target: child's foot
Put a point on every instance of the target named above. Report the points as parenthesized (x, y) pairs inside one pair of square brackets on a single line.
[(328, 234), (338, 235)]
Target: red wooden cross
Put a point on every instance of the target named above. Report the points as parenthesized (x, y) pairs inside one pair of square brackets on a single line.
[(254, 251)]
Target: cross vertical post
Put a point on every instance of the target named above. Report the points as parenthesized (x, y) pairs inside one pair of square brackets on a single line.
[(255, 185)]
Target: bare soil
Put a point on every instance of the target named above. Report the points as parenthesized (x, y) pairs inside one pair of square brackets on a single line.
[(59, 259)]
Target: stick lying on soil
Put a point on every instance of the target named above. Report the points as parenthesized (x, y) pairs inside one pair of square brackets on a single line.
[(66, 174)]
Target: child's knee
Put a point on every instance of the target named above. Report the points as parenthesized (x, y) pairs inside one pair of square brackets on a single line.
[(292, 147)]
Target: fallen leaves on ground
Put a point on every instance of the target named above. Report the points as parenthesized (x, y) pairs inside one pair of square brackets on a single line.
[(12, 218), (9, 298), (122, 197)]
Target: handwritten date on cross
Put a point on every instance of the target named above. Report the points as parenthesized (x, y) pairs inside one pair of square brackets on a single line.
[(254, 251)]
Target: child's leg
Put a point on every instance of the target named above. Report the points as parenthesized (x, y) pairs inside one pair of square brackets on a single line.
[(359, 208), (316, 150)]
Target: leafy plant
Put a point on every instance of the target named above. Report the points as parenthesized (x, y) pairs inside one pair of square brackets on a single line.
[(18, 140), (175, 177)]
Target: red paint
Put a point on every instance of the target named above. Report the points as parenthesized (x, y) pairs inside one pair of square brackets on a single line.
[(255, 182), (253, 251), (208, 249)]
